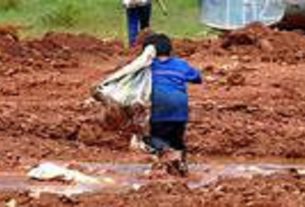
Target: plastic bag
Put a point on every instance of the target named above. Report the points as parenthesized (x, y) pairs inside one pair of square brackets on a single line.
[(229, 14), (132, 84), (131, 89), (51, 171)]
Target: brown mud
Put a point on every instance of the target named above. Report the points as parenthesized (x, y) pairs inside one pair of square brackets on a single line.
[(255, 43), (273, 191), (252, 105)]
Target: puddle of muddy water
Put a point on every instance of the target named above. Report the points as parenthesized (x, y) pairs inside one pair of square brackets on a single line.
[(22, 183), (134, 176)]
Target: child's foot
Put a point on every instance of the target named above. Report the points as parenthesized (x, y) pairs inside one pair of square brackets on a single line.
[(177, 168), (174, 162)]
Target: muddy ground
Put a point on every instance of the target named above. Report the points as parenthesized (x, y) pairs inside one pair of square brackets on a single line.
[(251, 106), (275, 191)]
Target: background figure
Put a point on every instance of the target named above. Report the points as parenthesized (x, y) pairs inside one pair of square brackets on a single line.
[(138, 18)]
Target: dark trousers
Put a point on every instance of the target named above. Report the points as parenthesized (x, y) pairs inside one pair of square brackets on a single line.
[(167, 135), (138, 18)]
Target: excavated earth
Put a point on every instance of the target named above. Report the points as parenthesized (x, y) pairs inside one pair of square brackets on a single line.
[(251, 106)]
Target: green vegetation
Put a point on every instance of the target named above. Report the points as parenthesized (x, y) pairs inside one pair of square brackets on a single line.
[(65, 14), (9, 4), (104, 18)]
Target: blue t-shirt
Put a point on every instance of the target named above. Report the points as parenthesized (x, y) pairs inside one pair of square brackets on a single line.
[(169, 89)]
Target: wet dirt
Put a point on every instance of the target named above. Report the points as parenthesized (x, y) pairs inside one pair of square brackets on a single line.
[(252, 105), (276, 190), (207, 184)]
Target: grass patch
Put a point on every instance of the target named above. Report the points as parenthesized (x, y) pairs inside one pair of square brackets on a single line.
[(182, 20), (9, 4), (104, 18), (64, 14)]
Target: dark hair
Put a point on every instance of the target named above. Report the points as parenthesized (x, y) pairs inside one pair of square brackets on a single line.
[(150, 40), (161, 42)]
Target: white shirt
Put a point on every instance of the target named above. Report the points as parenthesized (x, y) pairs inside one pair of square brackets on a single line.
[(131, 3)]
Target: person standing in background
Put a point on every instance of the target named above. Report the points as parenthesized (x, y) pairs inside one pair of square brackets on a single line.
[(138, 17)]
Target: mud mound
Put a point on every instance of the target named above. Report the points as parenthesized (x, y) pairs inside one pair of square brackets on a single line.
[(85, 43), (21, 56), (54, 51), (265, 44), (186, 48), (252, 43), (250, 35)]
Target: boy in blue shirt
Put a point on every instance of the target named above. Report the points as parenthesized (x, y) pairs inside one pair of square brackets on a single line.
[(169, 111)]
